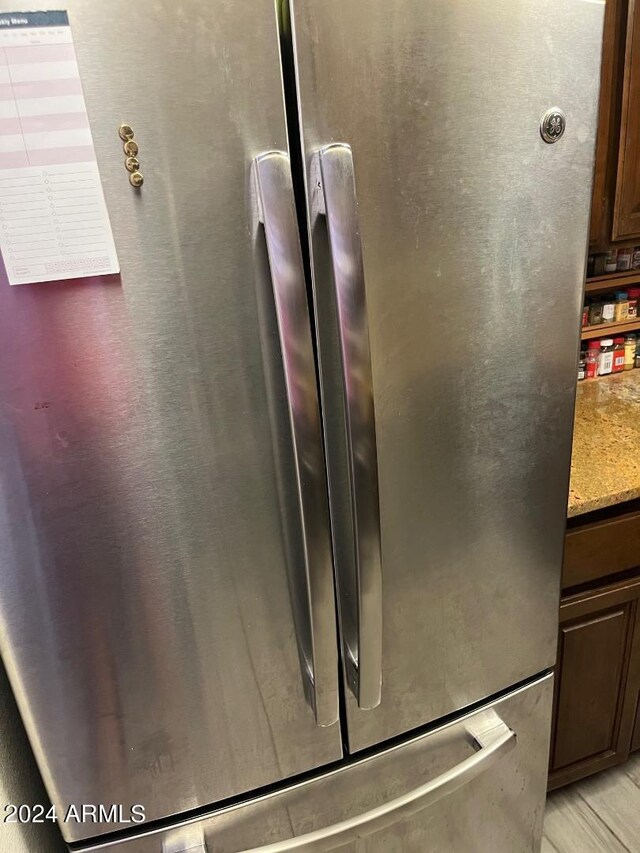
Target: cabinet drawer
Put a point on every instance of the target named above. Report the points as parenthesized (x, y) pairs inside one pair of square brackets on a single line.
[(601, 548)]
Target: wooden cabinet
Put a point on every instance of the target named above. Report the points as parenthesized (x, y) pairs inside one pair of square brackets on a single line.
[(615, 213), (599, 549), (597, 677), (596, 681), (626, 218), (635, 737), (606, 164)]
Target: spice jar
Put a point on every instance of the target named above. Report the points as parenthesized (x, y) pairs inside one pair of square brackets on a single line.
[(621, 307), (605, 361), (610, 262), (634, 293), (592, 358), (598, 264), (629, 352), (582, 366), (618, 355), (623, 259), (608, 311), (585, 315), (595, 313)]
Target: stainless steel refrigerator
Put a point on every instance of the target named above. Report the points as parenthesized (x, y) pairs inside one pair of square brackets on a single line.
[(284, 607)]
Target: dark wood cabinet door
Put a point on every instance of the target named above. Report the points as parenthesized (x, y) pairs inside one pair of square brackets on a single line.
[(593, 651), (626, 215), (634, 686), (595, 700), (606, 161), (635, 739)]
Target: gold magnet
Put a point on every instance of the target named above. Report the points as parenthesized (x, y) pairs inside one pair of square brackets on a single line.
[(126, 132), (136, 179), (130, 148), (132, 164)]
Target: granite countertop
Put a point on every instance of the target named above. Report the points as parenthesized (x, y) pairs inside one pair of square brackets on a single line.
[(605, 465)]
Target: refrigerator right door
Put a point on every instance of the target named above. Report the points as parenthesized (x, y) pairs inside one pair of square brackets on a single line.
[(448, 244)]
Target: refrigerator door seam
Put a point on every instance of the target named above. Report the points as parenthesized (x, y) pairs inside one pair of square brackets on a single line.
[(334, 192)]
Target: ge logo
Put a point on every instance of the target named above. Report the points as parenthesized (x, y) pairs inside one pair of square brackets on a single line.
[(552, 125)]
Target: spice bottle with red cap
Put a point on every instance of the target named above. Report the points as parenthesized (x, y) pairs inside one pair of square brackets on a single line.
[(618, 355)]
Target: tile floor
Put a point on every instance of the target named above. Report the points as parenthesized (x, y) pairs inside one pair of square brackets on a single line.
[(596, 815)]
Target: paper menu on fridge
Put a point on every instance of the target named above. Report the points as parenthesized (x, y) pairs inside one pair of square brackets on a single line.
[(53, 219)]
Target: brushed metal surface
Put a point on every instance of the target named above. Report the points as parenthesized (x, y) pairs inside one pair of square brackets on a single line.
[(20, 783), (487, 733), (360, 597), (149, 528), (500, 810), (474, 235), (277, 212)]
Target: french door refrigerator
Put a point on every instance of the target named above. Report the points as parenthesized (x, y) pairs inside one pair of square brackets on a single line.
[(276, 617)]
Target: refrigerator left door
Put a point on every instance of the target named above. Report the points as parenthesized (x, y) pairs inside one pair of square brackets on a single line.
[(167, 613)]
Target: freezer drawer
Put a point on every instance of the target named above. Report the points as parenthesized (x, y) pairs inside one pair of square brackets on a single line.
[(477, 784)]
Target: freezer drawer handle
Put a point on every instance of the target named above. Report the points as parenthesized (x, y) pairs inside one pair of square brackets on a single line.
[(489, 735), (335, 191), (276, 211)]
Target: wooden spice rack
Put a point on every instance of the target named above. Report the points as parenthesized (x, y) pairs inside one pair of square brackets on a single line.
[(610, 330), (613, 281)]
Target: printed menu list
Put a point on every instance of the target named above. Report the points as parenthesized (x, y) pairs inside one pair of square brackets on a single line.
[(54, 222)]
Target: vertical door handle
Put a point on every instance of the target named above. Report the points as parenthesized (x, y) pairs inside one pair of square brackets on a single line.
[(337, 200), (276, 211), (491, 739)]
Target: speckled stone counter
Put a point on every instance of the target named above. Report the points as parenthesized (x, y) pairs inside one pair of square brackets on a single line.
[(605, 465)]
